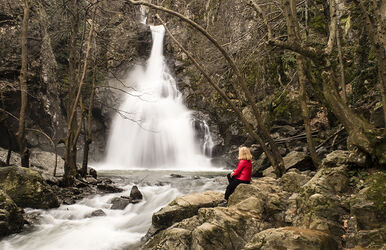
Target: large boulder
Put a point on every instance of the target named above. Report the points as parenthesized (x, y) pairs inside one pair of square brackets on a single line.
[(291, 238), (185, 207), (299, 160), (320, 204), (27, 188), (366, 224), (135, 195), (11, 218), (213, 228), (263, 197), (294, 179)]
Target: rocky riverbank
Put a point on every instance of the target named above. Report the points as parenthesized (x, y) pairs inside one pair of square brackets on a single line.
[(37, 187), (340, 205)]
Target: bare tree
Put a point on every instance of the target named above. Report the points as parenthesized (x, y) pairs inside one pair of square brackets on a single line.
[(74, 96), (23, 150)]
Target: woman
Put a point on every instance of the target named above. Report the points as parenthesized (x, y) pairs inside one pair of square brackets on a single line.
[(242, 174)]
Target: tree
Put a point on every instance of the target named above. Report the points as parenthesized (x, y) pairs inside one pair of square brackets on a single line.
[(23, 150), (362, 135), (74, 96)]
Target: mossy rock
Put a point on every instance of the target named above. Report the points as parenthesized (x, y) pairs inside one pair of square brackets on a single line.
[(369, 205), (27, 188), (292, 238), (11, 219)]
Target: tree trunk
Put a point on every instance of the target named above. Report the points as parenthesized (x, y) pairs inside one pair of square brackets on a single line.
[(73, 128), (72, 120), (88, 128), (24, 152), (340, 54), (300, 61)]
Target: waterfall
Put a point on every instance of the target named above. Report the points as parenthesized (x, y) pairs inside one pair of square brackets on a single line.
[(153, 128)]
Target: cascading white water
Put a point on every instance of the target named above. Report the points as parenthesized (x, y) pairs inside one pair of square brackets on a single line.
[(208, 141), (154, 128)]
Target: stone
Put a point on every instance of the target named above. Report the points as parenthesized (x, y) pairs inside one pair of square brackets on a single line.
[(320, 203), (135, 195), (97, 213), (44, 162), (259, 165), (269, 172), (108, 188), (176, 176), (11, 218), (119, 203), (93, 173), (91, 180), (298, 160), (27, 188), (291, 238), (293, 180), (369, 205), (185, 207), (32, 218)]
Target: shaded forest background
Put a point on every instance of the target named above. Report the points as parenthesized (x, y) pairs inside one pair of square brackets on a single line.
[(298, 66)]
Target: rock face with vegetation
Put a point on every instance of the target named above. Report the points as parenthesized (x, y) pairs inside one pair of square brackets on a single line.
[(27, 188), (11, 219), (332, 208)]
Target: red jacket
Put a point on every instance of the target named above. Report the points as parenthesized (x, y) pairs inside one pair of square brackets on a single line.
[(243, 171)]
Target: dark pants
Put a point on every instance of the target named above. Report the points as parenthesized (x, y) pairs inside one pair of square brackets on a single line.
[(233, 183)]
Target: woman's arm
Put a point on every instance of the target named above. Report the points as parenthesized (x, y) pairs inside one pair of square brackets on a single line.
[(240, 166)]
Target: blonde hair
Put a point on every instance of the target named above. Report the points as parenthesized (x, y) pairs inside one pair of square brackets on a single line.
[(245, 154)]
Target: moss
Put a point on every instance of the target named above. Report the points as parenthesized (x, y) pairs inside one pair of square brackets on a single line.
[(377, 187), (319, 24)]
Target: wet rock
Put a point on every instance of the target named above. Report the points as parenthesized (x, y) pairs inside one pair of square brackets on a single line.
[(292, 238), (91, 180), (97, 213), (27, 188), (108, 188), (135, 195), (119, 203), (32, 218), (185, 207), (298, 160), (93, 173), (11, 219), (176, 176)]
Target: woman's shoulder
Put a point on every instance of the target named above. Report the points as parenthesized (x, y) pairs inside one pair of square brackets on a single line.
[(245, 161)]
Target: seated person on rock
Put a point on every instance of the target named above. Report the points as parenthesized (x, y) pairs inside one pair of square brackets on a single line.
[(242, 174)]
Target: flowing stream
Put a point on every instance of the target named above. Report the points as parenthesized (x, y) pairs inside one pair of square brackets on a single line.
[(152, 138)]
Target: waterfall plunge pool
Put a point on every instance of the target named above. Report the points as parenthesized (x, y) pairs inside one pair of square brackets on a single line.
[(71, 227)]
